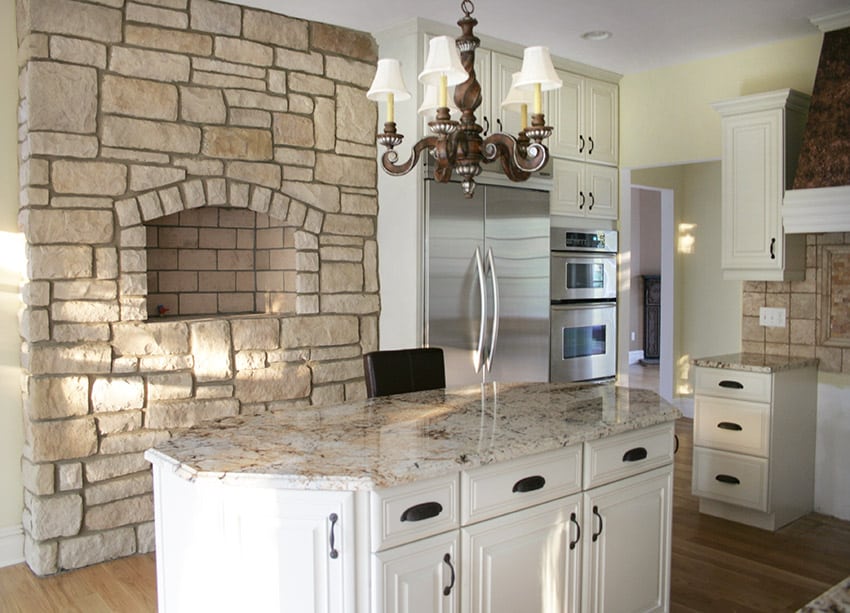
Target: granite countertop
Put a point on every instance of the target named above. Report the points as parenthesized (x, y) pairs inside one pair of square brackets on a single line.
[(755, 362), (834, 600), (398, 439)]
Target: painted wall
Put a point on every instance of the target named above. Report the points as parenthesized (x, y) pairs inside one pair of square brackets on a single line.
[(11, 253), (665, 114), (646, 254)]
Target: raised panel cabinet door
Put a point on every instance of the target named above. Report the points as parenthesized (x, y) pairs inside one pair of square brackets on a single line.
[(421, 577), (627, 544), (567, 196), (752, 190), (486, 114), (504, 66), (602, 191), (602, 121), (290, 550), (524, 561), (566, 116)]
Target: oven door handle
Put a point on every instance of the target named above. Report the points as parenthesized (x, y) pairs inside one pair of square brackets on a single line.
[(491, 269), (478, 358)]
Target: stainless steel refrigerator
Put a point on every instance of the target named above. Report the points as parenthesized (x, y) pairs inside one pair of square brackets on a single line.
[(487, 282)]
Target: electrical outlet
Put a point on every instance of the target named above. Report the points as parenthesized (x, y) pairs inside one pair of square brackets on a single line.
[(634, 336), (772, 317)]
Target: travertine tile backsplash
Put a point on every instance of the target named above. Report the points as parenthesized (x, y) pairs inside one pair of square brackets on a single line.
[(818, 308)]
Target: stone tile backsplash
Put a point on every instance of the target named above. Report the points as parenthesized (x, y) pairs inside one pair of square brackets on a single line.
[(817, 308)]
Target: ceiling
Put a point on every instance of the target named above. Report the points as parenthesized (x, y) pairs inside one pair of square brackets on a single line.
[(647, 34)]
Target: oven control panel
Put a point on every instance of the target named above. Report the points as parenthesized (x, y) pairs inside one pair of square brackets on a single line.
[(564, 239)]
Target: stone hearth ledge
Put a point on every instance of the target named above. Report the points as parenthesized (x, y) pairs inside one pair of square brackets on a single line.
[(398, 439)]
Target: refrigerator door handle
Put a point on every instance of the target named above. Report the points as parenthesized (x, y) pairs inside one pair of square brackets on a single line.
[(478, 358), (491, 266)]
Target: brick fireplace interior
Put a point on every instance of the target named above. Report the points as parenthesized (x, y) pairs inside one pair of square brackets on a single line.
[(198, 197)]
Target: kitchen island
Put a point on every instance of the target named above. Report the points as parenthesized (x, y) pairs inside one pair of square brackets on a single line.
[(480, 498)]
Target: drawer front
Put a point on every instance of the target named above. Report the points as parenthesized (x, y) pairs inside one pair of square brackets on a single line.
[(624, 455), (734, 384), (732, 478), (732, 425), (410, 512), (500, 488)]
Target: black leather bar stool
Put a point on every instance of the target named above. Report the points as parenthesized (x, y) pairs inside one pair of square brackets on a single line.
[(403, 370)]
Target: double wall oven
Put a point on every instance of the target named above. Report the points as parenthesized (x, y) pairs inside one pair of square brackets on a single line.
[(583, 316)]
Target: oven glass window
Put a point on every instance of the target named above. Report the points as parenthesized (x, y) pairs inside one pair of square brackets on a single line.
[(584, 341), (585, 275)]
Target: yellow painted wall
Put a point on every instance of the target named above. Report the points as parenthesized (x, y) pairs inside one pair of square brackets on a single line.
[(11, 423), (666, 115)]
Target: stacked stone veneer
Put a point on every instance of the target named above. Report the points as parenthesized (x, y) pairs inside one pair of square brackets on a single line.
[(135, 117)]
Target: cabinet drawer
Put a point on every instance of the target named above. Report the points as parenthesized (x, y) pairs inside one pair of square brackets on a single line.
[(730, 477), (732, 425), (500, 488), (623, 455), (409, 512), (735, 384)]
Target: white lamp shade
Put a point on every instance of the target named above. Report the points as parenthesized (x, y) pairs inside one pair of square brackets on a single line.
[(517, 96), (388, 80), (431, 101), (443, 59), (537, 68)]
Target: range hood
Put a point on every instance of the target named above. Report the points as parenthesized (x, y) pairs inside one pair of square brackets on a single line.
[(820, 198)]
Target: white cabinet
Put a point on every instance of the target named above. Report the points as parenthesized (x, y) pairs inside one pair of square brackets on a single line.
[(421, 576), (524, 561), (754, 444), (585, 190), (585, 114), (627, 527), (290, 550), (761, 140)]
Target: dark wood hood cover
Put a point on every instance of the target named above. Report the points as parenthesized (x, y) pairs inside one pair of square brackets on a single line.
[(825, 155)]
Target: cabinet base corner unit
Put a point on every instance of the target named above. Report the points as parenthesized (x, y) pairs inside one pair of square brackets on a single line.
[(754, 444)]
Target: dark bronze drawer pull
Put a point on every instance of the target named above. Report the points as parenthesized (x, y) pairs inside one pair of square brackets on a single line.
[(730, 425), (529, 484), (447, 559), (634, 455), (733, 385), (418, 512), (728, 479), (578, 531)]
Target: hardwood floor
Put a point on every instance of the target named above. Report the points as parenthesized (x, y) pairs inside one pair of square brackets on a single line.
[(718, 566)]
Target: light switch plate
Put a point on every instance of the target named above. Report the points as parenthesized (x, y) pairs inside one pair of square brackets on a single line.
[(772, 317)]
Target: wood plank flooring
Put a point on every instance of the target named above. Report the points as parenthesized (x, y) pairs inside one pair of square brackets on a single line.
[(718, 566)]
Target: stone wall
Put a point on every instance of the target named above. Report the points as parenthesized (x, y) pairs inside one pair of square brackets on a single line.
[(135, 115), (818, 320)]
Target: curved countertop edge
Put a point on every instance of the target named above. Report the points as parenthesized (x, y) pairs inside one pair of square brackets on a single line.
[(193, 455), (754, 362)]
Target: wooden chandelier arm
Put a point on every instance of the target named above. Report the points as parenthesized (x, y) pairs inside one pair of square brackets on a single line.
[(388, 160), (518, 164)]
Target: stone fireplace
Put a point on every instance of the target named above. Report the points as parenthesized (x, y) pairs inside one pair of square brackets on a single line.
[(198, 197)]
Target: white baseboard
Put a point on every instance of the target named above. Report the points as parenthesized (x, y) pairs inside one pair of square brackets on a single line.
[(635, 356), (11, 545)]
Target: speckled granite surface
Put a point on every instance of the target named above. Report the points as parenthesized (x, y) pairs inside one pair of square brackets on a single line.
[(399, 439), (754, 362), (834, 600)]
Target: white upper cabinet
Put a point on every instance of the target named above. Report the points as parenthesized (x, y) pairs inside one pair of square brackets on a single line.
[(585, 115), (761, 139), (504, 66), (585, 190)]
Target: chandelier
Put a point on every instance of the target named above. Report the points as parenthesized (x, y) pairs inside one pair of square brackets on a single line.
[(457, 145)]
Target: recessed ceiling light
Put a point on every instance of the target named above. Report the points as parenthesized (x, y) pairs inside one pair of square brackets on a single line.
[(597, 35)]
